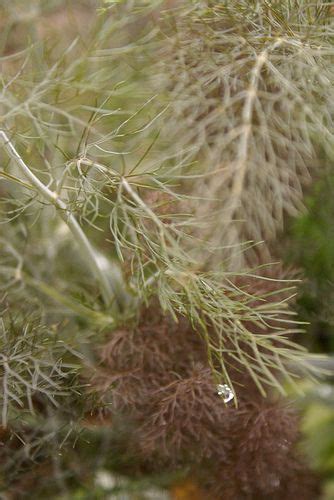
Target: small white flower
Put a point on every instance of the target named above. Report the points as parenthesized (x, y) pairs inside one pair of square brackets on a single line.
[(225, 392)]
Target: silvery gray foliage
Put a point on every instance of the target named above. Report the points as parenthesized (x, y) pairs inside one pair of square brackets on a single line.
[(250, 91), (32, 366), (248, 99)]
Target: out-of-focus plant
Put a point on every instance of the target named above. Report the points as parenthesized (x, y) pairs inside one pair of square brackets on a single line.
[(96, 184), (317, 425), (248, 88), (310, 248), (141, 161)]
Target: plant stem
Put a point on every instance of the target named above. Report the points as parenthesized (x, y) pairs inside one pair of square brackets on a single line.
[(247, 115), (89, 253)]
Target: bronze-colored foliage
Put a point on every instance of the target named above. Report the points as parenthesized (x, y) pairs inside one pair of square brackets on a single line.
[(156, 375)]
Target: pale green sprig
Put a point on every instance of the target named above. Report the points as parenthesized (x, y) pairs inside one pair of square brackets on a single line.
[(31, 364)]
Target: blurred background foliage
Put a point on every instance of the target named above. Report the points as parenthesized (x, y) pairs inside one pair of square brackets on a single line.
[(309, 247)]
